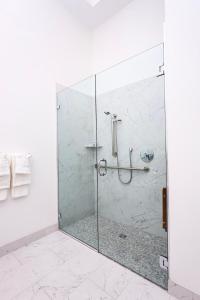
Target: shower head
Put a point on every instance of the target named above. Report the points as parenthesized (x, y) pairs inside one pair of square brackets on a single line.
[(107, 113)]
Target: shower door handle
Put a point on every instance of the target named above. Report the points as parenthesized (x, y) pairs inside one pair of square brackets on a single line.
[(102, 163)]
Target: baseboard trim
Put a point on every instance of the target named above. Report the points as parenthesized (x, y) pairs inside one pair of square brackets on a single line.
[(27, 239), (180, 292)]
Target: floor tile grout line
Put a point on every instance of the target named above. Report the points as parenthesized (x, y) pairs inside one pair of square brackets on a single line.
[(42, 277), (38, 280), (101, 289)]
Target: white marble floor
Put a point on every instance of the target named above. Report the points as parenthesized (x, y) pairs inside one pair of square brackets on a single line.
[(59, 267)]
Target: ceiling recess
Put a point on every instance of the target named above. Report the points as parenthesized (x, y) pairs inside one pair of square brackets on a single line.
[(93, 3), (93, 13)]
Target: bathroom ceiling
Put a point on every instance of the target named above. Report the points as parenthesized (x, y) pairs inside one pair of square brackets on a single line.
[(93, 2), (94, 12)]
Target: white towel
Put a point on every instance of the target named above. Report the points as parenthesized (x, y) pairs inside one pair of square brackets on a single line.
[(3, 194), (20, 191), (21, 175), (22, 164), (4, 176)]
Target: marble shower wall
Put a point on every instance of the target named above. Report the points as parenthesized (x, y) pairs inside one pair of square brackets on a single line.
[(76, 162), (141, 107)]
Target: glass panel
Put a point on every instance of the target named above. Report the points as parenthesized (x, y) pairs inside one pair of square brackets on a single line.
[(76, 159), (131, 126)]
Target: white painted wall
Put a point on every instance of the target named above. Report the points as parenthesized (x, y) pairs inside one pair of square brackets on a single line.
[(134, 29), (182, 48), (41, 44)]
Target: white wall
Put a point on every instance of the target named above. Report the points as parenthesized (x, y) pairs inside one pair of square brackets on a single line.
[(41, 44), (182, 48), (134, 29)]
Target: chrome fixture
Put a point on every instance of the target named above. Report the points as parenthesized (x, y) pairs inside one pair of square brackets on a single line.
[(106, 167), (130, 162), (114, 123), (114, 135), (106, 112), (147, 155)]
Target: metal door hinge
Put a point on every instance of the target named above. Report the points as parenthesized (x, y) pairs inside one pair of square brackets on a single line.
[(58, 107), (161, 70), (163, 262)]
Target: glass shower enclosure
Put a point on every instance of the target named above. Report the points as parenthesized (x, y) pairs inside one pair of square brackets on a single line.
[(112, 164)]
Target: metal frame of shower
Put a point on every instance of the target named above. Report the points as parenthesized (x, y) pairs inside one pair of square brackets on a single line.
[(110, 167)]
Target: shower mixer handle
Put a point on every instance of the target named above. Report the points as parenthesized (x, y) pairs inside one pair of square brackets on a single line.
[(104, 166)]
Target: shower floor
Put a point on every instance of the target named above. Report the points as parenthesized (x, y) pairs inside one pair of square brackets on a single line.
[(133, 248)]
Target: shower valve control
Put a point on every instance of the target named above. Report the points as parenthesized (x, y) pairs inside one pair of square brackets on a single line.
[(147, 156)]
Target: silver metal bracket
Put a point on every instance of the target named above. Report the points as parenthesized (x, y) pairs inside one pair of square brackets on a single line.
[(161, 70), (163, 262), (147, 155), (58, 107), (100, 166)]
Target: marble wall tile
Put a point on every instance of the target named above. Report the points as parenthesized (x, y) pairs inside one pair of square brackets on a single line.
[(76, 162), (141, 108)]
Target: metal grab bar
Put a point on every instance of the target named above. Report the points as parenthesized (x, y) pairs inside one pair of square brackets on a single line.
[(145, 169)]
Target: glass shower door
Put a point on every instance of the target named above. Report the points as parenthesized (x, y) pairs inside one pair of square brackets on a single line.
[(76, 161), (132, 165)]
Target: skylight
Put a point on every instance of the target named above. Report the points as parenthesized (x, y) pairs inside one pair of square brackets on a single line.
[(93, 3)]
